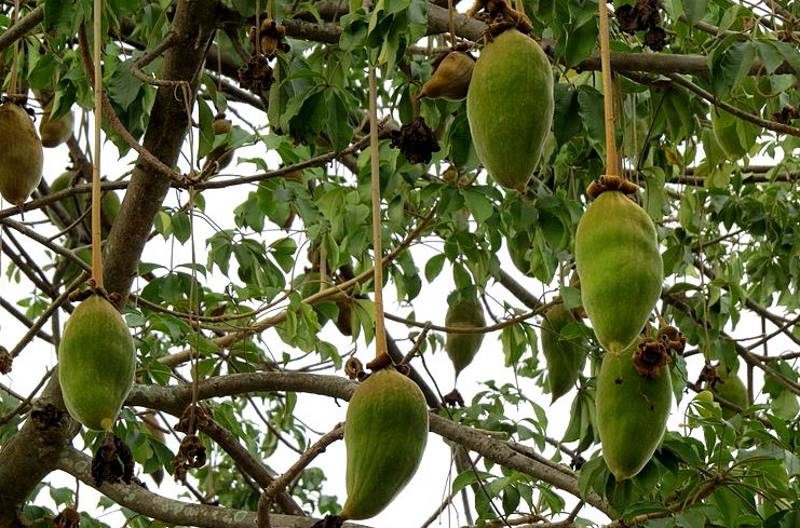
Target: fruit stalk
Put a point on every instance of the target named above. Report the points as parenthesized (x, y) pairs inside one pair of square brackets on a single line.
[(612, 161), (97, 257), (380, 333)]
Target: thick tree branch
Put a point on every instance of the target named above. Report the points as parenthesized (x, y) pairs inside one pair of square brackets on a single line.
[(23, 25), (167, 510), (175, 399)]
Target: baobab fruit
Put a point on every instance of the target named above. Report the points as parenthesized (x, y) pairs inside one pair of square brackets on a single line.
[(461, 348), (76, 205), (55, 131), (730, 388), (96, 360), (21, 154), (632, 410), (620, 268), (450, 79), (221, 155), (510, 107), (565, 356), (385, 433)]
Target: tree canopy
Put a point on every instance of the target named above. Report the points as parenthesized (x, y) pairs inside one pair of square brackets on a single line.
[(274, 297)]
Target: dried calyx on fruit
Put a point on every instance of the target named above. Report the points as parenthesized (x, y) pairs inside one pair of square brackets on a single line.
[(416, 141), (645, 15), (452, 71), (632, 409), (619, 264), (461, 348), (21, 154), (565, 355), (96, 360), (385, 433), (510, 101)]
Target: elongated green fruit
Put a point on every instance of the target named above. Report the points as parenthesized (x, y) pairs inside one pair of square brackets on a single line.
[(461, 348), (21, 154), (632, 412), (510, 107), (564, 356), (55, 131), (76, 205), (620, 268), (96, 362), (385, 433), (731, 388)]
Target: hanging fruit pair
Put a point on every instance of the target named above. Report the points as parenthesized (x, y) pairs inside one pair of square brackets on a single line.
[(96, 363), (510, 107), (633, 399), (565, 356), (21, 154), (462, 348), (620, 267), (385, 433)]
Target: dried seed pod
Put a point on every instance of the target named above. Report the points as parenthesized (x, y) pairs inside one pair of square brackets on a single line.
[(632, 411), (450, 79), (620, 268), (21, 154), (96, 360), (385, 433), (510, 107)]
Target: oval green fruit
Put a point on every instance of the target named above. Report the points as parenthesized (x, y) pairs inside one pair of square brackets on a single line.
[(730, 388), (461, 348), (385, 433), (620, 268), (77, 204), (564, 356), (510, 107), (55, 131), (21, 154), (96, 363), (632, 412)]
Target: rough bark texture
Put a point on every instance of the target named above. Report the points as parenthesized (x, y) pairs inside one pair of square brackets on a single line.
[(30, 455), (194, 25)]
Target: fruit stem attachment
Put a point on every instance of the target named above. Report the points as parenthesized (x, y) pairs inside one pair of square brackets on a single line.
[(97, 256), (612, 160), (377, 249)]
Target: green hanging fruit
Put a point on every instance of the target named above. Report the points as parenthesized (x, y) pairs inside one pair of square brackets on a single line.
[(510, 107), (450, 79), (517, 248), (77, 204), (222, 155), (21, 154), (55, 131), (385, 433), (564, 356), (96, 363), (730, 388), (632, 409), (620, 268), (461, 348)]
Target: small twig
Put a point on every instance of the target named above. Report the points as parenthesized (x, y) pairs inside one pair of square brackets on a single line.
[(24, 404), (136, 68), (284, 480)]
